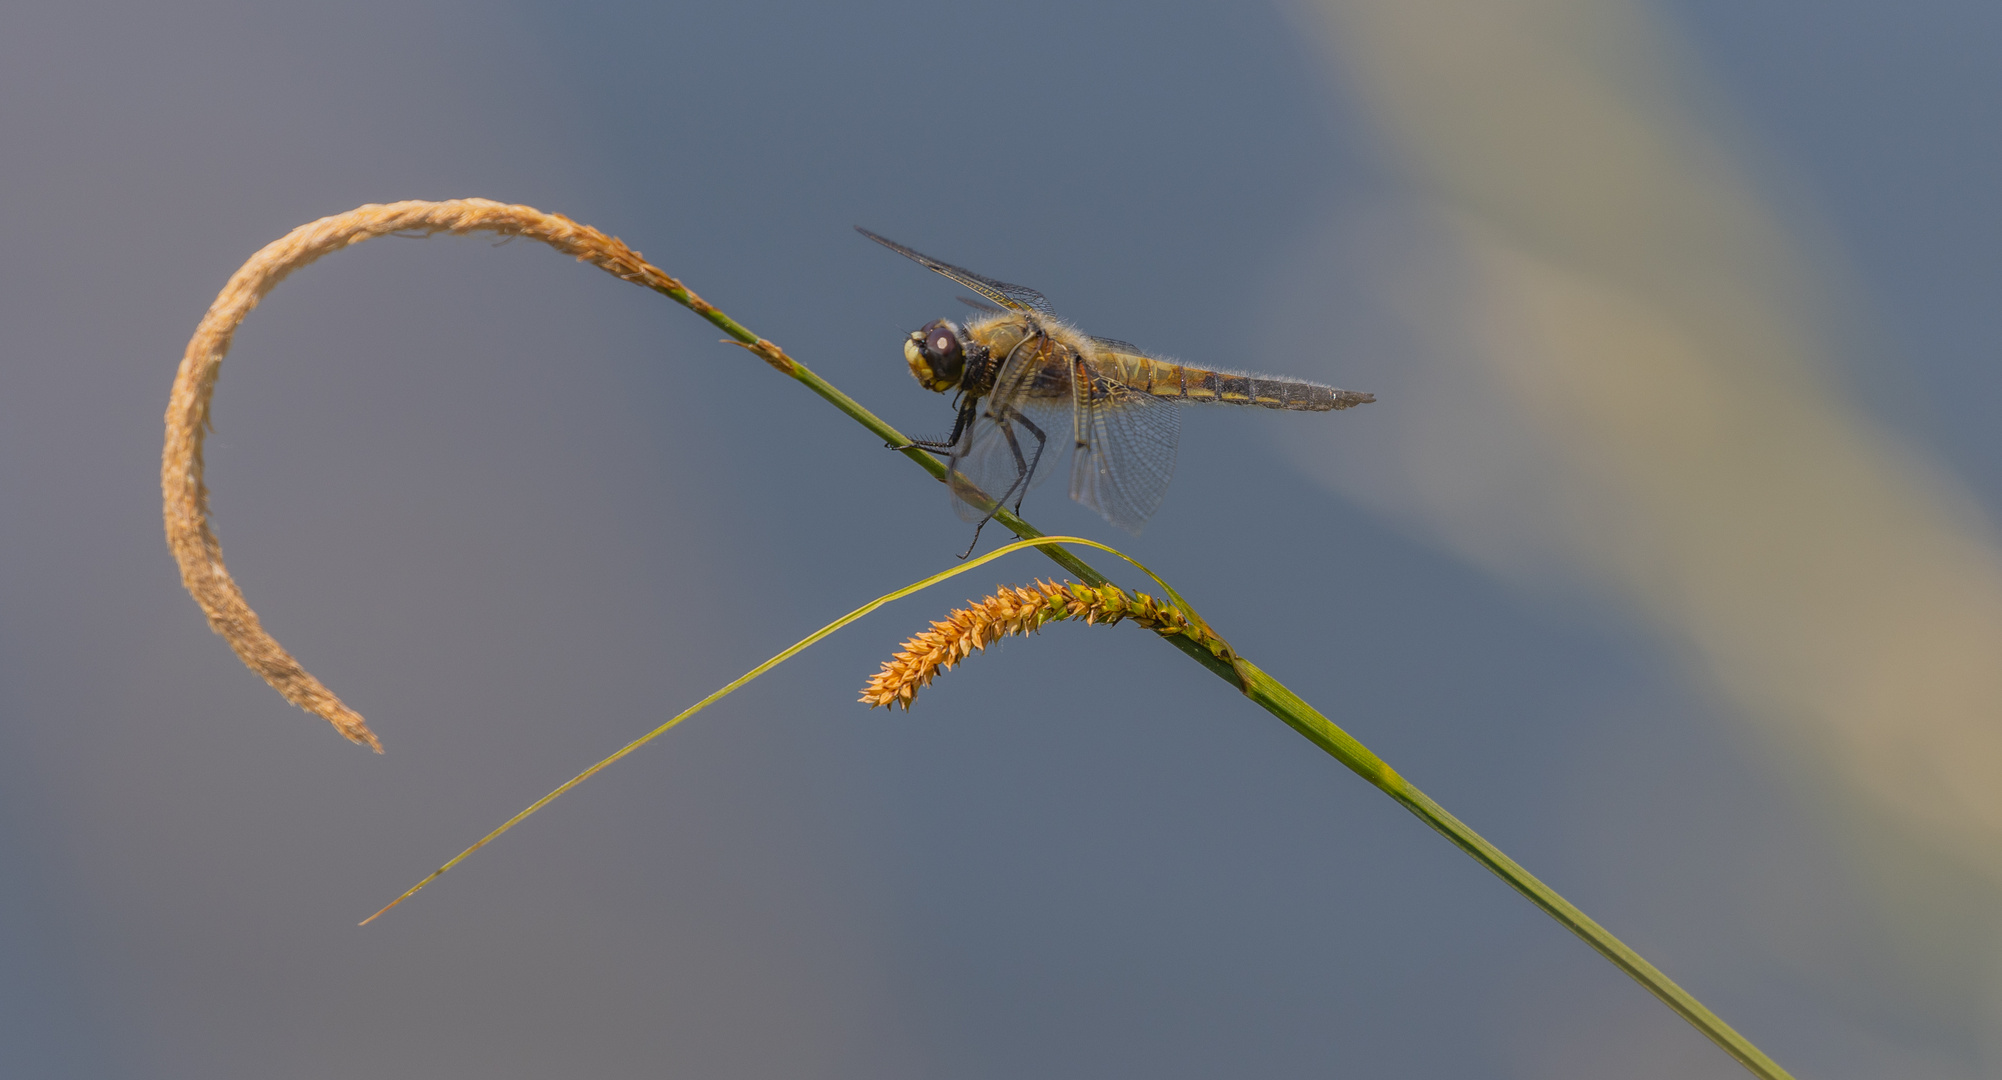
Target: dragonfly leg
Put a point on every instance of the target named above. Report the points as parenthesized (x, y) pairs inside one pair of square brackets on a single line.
[(945, 445), (1022, 471), (976, 537), (1042, 442), (1025, 467)]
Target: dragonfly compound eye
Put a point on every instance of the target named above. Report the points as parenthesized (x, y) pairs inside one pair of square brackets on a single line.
[(936, 356)]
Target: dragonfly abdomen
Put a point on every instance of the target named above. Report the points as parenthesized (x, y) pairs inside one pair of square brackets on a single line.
[(1194, 384)]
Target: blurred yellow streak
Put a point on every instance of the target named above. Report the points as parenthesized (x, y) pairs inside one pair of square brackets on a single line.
[(1629, 384)]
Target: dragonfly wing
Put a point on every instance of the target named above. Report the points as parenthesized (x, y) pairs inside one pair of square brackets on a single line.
[(1020, 436), (1126, 449), (1017, 297)]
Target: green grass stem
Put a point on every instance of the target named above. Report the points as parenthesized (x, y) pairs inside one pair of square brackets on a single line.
[(1282, 702)]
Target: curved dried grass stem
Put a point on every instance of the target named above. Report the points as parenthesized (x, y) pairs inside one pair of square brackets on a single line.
[(1022, 610), (182, 488)]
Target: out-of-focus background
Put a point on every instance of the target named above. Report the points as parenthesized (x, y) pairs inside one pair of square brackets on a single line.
[(1666, 558)]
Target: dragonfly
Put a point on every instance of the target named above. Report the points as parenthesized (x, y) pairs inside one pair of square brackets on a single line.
[(1030, 389)]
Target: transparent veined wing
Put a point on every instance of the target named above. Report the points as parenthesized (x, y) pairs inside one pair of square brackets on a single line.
[(1017, 297), (1126, 442), (1021, 434)]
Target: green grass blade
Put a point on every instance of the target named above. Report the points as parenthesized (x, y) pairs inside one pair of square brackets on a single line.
[(732, 687)]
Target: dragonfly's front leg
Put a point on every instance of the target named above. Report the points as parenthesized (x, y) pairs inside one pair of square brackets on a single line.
[(946, 445)]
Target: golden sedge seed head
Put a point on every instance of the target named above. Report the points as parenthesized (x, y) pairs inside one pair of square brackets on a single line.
[(1010, 611)]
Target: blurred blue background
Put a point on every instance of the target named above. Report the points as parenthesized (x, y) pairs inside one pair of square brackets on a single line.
[(516, 512)]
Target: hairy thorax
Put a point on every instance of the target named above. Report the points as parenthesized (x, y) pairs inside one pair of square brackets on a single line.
[(1053, 350)]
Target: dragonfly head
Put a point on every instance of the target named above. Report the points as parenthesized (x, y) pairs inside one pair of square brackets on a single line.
[(937, 355)]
